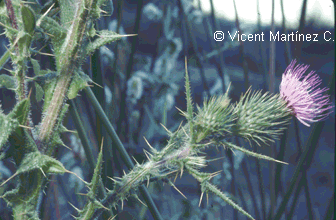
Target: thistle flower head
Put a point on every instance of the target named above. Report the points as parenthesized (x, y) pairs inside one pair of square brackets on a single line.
[(306, 101)]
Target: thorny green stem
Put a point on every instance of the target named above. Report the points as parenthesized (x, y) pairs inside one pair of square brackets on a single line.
[(20, 66), (113, 195), (55, 107), (70, 55), (148, 166), (11, 13)]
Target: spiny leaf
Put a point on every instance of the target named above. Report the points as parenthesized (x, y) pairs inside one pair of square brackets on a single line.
[(92, 203), (3, 12), (43, 79), (55, 31), (20, 111), (190, 109), (36, 66), (48, 93), (68, 10), (39, 92), (4, 59), (88, 210), (92, 32), (96, 174), (80, 81), (206, 186), (28, 19), (7, 82), (7, 126), (23, 200), (104, 37), (63, 129), (252, 153), (35, 161)]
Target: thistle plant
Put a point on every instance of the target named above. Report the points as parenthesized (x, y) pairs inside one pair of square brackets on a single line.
[(256, 117)]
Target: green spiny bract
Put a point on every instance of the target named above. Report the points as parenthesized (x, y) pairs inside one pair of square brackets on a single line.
[(214, 118), (260, 118)]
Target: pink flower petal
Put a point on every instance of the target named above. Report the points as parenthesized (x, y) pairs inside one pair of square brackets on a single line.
[(307, 102)]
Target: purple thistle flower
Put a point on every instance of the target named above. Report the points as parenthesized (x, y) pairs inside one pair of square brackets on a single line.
[(305, 101)]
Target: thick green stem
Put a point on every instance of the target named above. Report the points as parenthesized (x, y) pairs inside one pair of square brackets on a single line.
[(57, 101), (69, 59)]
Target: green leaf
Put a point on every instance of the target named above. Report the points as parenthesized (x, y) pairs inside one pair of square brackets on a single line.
[(96, 175), (22, 200), (31, 170), (7, 82), (37, 161), (92, 32), (47, 80), (206, 186), (190, 108), (104, 37), (43, 79), (92, 203), (56, 32), (63, 129), (10, 130), (260, 156), (52, 28), (28, 19), (88, 210), (4, 59), (20, 111), (3, 13), (39, 92), (7, 126), (80, 81), (68, 10), (36, 66)]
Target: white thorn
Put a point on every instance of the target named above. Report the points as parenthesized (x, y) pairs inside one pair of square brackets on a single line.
[(153, 149), (207, 198), (141, 201), (178, 190), (200, 200)]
